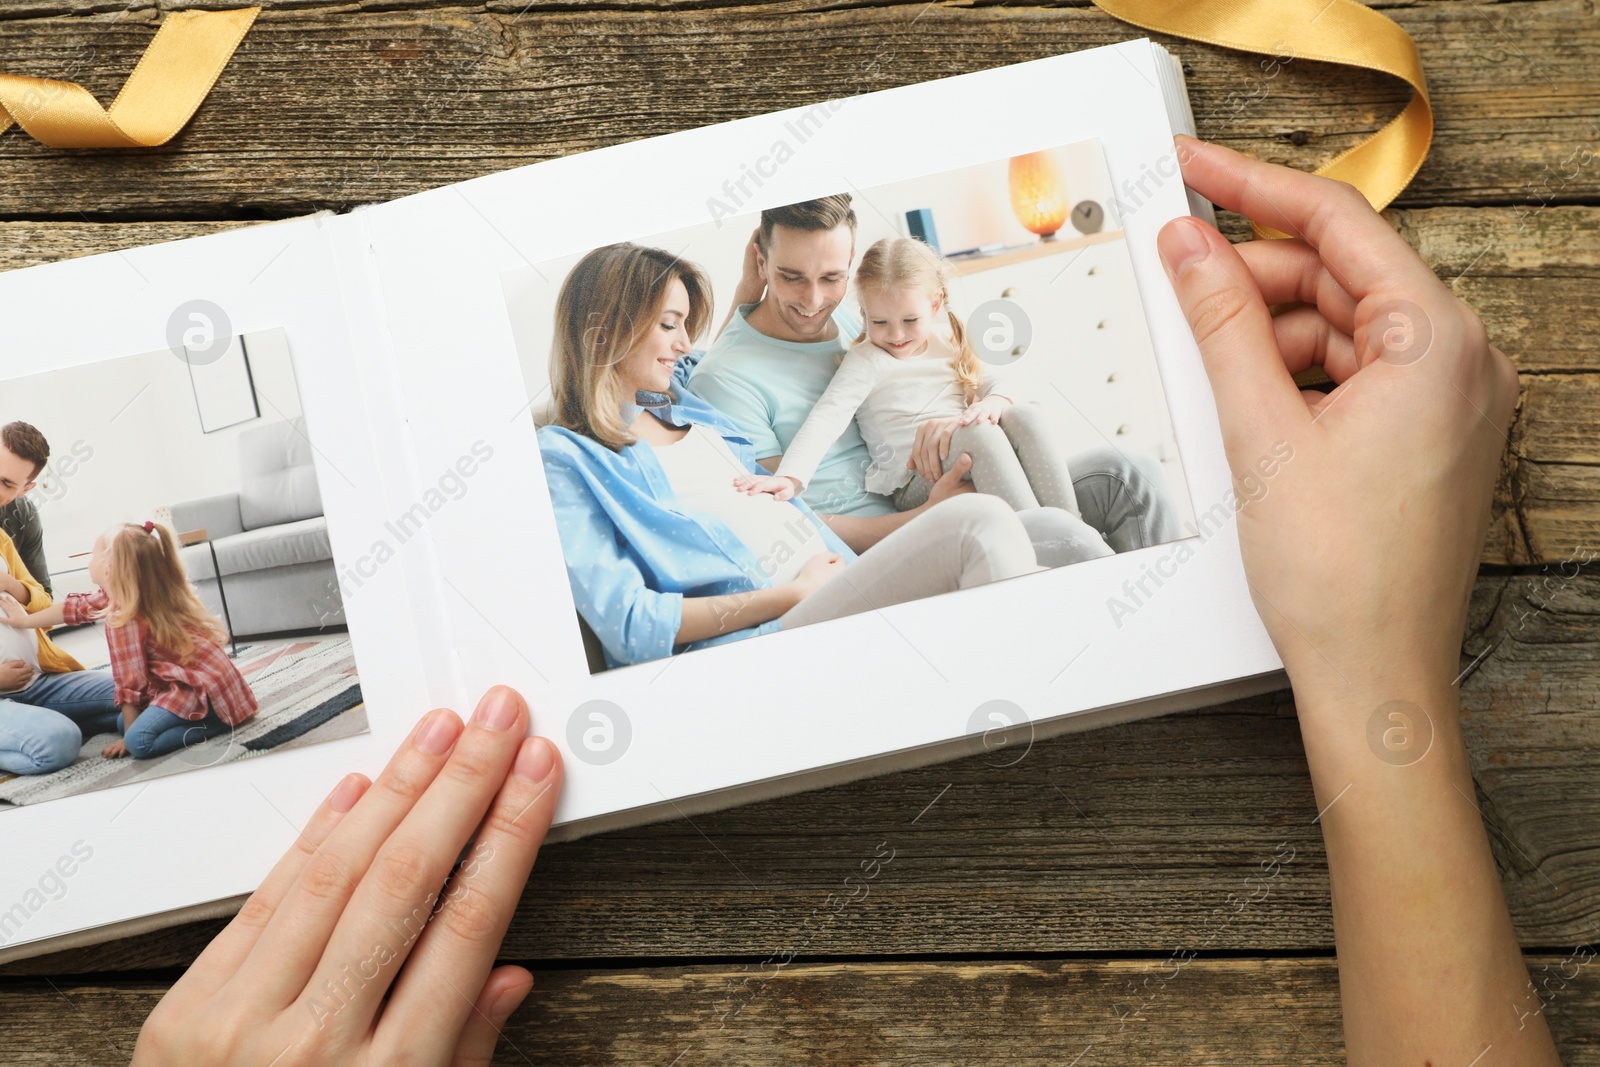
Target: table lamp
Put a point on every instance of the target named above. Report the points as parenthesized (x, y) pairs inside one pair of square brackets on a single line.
[(1038, 193)]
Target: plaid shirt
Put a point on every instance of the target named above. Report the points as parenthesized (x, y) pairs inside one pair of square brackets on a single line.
[(146, 675)]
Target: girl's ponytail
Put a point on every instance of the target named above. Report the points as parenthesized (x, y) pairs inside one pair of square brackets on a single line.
[(147, 581)]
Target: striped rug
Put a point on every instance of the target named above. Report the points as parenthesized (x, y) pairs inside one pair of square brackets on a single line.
[(307, 691)]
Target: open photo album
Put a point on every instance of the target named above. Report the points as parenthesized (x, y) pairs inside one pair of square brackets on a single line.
[(758, 457)]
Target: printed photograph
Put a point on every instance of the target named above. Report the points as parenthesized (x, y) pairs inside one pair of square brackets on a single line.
[(168, 597), (782, 417)]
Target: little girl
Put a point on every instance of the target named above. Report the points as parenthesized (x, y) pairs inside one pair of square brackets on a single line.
[(175, 683), (913, 363)]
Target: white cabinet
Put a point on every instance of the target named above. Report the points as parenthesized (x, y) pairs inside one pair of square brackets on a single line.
[(1089, 360)]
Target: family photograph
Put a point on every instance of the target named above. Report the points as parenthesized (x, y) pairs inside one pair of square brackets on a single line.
[(167, 600), (863, 415)]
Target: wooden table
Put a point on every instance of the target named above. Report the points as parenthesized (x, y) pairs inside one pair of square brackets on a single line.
[(1027, 908)]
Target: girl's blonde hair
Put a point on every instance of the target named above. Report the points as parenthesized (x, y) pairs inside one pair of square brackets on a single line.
[(146, 580), (608, 303), (902, 262)]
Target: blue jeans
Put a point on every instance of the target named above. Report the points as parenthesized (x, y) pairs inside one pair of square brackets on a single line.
[(1124, 507), (158, 731), (43, 726)]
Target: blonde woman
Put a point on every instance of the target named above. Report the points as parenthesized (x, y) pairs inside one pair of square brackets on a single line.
[(913, 363), (664, 553), (173, 681)]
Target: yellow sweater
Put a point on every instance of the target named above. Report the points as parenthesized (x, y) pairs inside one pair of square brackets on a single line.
[(52, 658)]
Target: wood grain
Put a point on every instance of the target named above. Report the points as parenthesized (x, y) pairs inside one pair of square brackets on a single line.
[(1170, 1009), (1140, 838), (321, 108)]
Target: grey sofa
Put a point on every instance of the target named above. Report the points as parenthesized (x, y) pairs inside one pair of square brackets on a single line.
[(271, 539)]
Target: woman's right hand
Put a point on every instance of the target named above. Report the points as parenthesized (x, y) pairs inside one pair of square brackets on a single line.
[(12, 612), (815, 573)]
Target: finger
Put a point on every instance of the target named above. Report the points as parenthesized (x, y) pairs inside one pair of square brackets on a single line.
[(431, 1001), (1306, 339), (1292, 272), (505, 990), (1360, 248), (1256, 398), (398, 894), (297, 934), (228, 949)]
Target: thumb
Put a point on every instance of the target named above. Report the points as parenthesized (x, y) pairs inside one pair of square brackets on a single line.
[(503, 991), (1256, 396)]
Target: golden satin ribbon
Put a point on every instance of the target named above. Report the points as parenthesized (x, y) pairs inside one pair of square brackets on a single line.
[(1340, 31), (173, 76), (190, 49)]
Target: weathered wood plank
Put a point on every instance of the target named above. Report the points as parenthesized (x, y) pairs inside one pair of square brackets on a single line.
[(1142, 838), (1167, 1010), (325, 108)]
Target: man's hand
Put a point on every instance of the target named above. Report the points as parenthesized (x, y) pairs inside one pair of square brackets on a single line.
[(952, 482), (932, 446), (752, 286), (14, 675)]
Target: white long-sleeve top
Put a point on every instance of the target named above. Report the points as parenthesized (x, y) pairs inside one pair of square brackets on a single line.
[(887, 397)]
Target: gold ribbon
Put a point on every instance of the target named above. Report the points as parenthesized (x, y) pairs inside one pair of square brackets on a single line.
[(1331, 31), (173, 76)]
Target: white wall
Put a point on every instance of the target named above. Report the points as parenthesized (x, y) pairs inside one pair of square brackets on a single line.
[(125, 438), (971, 207)]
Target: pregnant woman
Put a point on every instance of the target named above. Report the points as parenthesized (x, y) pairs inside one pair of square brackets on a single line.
[(664, 553)]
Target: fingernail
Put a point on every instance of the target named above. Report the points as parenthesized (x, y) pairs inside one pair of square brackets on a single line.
[(507, 1002), (497, 710), (1182, 244), (347, 792), (438, 733), (535, 759)]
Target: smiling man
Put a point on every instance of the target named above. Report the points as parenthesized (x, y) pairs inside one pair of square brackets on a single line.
[(23, 454)]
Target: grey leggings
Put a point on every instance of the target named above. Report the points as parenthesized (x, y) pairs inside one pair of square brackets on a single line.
[(1017, 460)]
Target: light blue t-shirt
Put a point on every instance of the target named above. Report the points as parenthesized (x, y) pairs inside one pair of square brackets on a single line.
[(768, 387)]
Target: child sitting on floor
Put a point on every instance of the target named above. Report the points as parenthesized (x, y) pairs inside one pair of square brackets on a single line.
[(176, 685), (913, 363)]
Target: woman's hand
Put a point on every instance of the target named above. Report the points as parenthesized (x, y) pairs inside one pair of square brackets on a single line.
[(782, 487), (931, 447), (115, 750), (1366, 540), (1362, 521), (816, 572), (12, 613), (349, 952), (989, 409)]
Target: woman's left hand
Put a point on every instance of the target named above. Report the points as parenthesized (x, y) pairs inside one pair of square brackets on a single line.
[(349, 952)]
